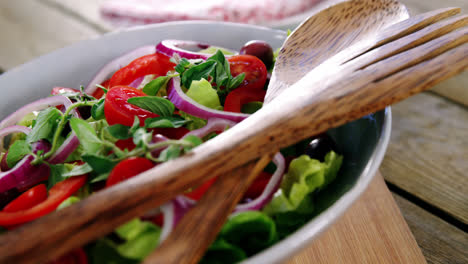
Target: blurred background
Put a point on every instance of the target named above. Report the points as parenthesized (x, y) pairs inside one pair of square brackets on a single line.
[(426, 162)]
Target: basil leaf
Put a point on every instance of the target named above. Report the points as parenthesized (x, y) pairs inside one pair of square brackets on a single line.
[(171, 122), (221, 251), (86, 134), (78, 170), (97, 111), (99, 164), (153, 87), (171, 152), (45, 125), (100, 177), (56, 172), (17, 151), (197, 72), (141, 137), (223, 71), (194, 140), (154, 104), (236, 81), (119, 131), (135, 126)]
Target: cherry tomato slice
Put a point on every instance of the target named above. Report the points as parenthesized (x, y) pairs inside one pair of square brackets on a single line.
[(28, 199), (77, 256), (241, 96), (118, 111), (127, 169), (157, 64), (254, 69)]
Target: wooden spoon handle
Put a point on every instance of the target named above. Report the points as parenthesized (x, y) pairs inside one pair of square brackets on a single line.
[(198, 228)]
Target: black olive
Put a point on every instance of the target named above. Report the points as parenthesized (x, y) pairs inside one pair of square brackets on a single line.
[(259, 49), (319, 146)]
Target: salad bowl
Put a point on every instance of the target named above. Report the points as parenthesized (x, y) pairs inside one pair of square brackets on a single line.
[(362, 142)]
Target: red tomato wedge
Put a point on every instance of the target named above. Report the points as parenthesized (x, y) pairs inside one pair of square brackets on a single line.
[(240, 96), (57, 194), (157, 64), (198, 192), (118, 111), (28, 199), (254, 69), (128, 168)]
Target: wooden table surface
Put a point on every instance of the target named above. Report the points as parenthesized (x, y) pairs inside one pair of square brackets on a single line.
[(426, 165)]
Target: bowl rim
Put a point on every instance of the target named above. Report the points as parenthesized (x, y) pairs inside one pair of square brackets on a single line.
[(310, 231)]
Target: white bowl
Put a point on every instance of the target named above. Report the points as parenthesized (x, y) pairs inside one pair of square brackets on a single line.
[(77, 64)]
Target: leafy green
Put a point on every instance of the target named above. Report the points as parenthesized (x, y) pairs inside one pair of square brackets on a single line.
[(99, 164), (170, 121), (153, 87), (154, 104), (77, 170), (252, 231), (105, 252), (194, 140), (45, 125), (251, 107), (196, 122), (86, 134), (69, 201), (142, 138), (222, 252), (100, 177), (202, 93), (170, 153), (17, 151), (214, 49), (141, 238), (119, 131), (198, 72), (304, 177), (182, 65), (97, 110)]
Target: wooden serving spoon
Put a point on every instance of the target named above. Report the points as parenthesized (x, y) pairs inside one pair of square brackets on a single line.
[(399, 65)]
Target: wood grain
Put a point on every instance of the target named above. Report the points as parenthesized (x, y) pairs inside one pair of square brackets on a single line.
[(454, 88), (439, 241), (30, 29), (428, 153), (371, 231)]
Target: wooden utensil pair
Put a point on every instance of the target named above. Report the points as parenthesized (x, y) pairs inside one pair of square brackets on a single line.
[(385, 66)]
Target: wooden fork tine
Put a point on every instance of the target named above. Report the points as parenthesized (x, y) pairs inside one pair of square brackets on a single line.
[(414, 24), (402, 29), (418, 54), (410, 41)]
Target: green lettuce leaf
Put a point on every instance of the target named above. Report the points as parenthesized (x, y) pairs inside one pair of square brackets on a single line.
[(202, 93), (304, 177), (141, 239), (251, 231), (221, 252)]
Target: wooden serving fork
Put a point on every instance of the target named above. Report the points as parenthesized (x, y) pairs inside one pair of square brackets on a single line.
[(198, 229), (407, 58)]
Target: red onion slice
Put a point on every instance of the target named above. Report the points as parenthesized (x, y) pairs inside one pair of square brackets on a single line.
[(38, 105), (184, 48), (214, 125), (270, 189), (24, 174), (116, 64), (186, 104), (67, 148), (173, 213)]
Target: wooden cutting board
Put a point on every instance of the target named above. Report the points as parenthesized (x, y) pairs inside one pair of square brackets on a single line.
[(371, 231)]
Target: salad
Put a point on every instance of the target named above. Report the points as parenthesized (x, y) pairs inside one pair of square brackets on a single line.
[(165, 101)]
